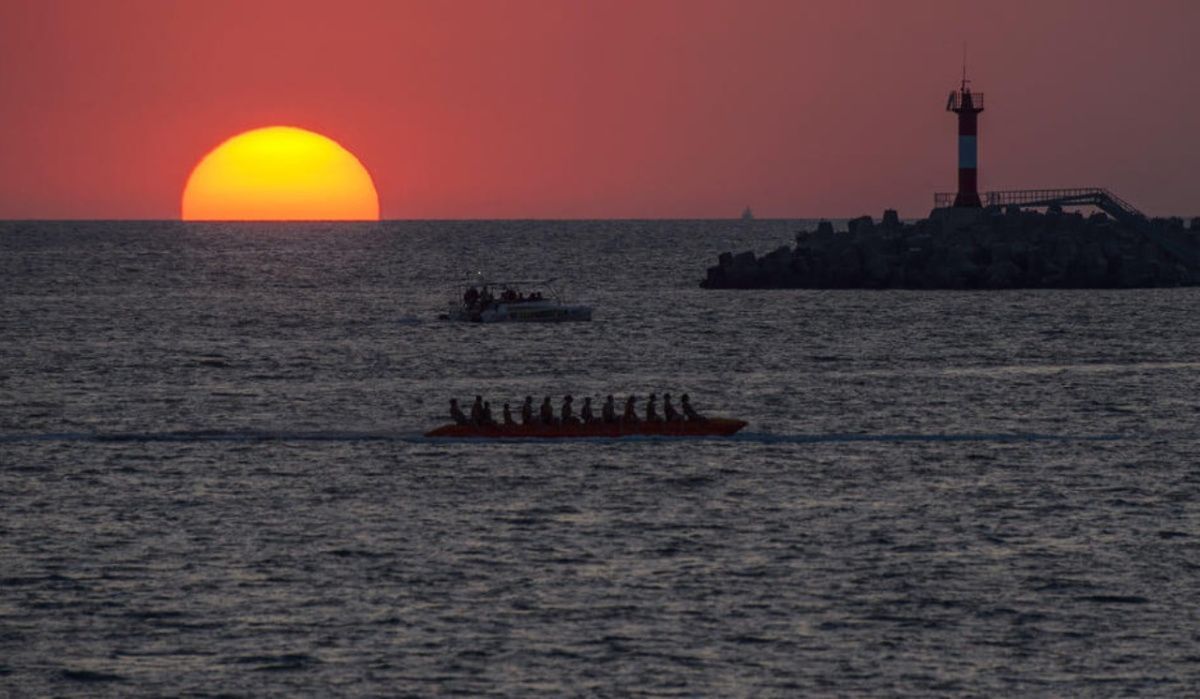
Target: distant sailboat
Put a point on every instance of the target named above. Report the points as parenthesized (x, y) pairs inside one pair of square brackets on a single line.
[(747, 214)]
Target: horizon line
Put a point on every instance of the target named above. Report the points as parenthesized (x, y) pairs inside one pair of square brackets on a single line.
[(411, 220)]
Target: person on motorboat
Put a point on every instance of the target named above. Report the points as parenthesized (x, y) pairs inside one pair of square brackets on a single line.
[(508, 418), (477, 411), (470, 297), (652, 409), (669, 411), (547, 412), (609, 412), (487, 414), (688, 411), (456, 413), (585, 413), (527, 411), (630, 411)]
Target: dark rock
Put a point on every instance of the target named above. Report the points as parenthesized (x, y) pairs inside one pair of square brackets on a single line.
[(877, 267), (745, 272), (743, 263), (777, 267), (862, 224), (1002, 275), (975, 248)]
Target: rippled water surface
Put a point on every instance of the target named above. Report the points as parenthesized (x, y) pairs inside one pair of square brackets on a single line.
[(213, 479)]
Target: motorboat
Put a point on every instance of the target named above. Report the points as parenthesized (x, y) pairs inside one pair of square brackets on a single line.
[(708, 427), (514, 302)]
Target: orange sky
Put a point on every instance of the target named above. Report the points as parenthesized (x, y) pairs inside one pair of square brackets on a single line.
[(564, 109)]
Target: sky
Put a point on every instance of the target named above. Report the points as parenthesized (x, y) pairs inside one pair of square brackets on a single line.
[(603, 109)]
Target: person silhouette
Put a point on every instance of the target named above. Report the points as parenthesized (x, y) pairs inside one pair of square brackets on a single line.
[(456, 413), (568, 415), (652, 409), (630, 415), (669, 410), (609, 412), (477, 411)]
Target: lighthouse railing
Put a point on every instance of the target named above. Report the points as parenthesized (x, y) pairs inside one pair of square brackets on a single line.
[(1078, 196), (956, 100)]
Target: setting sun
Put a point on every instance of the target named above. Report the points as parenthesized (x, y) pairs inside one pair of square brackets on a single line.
[(280, 173)]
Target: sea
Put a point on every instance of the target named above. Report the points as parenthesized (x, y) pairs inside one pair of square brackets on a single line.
[(214, 479)]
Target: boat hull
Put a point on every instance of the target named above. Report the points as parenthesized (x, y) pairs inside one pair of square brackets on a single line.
[(537, 313), (528, 312), (712, 427)]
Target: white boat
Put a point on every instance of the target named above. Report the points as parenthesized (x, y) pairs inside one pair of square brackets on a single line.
[(508, 302)]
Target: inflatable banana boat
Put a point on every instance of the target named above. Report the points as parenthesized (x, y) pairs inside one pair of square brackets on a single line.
[(710, 427)]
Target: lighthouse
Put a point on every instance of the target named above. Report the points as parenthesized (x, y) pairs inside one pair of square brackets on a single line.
[(967, 106)]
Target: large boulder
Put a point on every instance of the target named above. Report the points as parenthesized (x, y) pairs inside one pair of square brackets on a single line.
[(777, 267), (863, 225), (744, 271), (714, 278), (1136, 271), (1003, 274), (877, 266), (846, 268)]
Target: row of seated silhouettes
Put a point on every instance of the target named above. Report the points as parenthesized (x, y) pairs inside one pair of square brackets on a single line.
[(481, 412), (474, 297)]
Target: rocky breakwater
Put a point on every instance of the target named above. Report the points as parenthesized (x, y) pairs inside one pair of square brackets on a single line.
[(975, 249)]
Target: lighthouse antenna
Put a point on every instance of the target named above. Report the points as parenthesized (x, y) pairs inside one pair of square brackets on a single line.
[(964, 78), (964, 66)]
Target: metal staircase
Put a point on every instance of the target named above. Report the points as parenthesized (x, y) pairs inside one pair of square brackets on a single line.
[(1098, 197)]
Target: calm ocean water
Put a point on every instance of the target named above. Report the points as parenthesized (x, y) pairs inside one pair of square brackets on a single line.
[(213, 480)]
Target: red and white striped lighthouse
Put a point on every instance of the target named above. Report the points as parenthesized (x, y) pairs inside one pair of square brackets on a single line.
[(967, 106)]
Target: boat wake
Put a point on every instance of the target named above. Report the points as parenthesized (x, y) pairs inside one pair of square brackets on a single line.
[(768, 438), (268, 436)]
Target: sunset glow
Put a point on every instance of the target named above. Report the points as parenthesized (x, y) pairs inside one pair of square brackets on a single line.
[(280, 173), (523, 109)]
